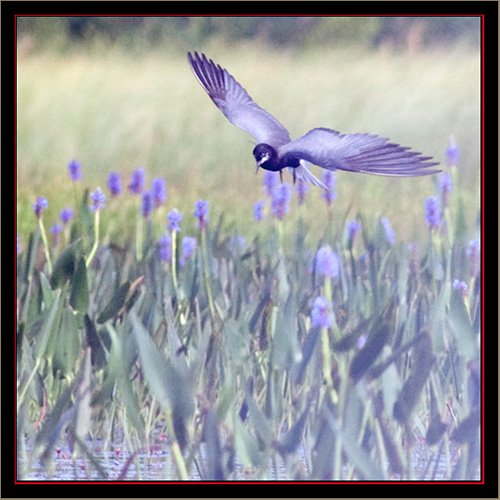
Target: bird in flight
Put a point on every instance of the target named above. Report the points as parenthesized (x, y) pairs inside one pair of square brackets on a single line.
[(327, 148)]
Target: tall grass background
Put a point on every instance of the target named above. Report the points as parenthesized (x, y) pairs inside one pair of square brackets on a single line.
[(246, 375), (116, 111)]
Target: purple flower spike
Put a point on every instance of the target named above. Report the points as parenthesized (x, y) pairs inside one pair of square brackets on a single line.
[(389, 233), (444, 183), (147, 203), (165, 248), (352, 229), (270, 180), (319, 315), (55, 230), (114, 183), (174, 217), (462, 286), (188, 246), (98, 197), (452, 155), (257, 210), (327, 262), (137, 181), (330, 182), (40, 204), (66, 214), (433, 212), (473, 253), (280, 200), (75, 170), (301, 188), (201, 212), (159, 191)]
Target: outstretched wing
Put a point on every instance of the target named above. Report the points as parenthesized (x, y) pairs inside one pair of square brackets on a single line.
[(363, 153), (238, 107)]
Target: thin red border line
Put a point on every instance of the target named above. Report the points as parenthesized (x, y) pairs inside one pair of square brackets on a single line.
[(482, 480)]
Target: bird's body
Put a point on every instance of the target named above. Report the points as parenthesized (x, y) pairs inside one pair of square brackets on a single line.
[(327, 148)]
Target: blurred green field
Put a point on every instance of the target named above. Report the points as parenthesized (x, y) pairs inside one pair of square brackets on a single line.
[(114, 111)]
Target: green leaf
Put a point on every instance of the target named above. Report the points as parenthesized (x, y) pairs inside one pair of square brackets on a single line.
[(438, 317), (79, 298), (459, 318), (365, 358), (285, 349), (169, 386), (47, 293), (67, 347), (246, 445), (291, 440), (47, 331), (115, 304), (65, 265)]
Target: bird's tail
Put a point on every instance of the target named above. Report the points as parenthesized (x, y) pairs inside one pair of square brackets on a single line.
[(302, 172)]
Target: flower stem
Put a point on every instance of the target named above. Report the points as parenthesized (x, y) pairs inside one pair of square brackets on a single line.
[(96, 240), (45, 245), (174, 258), (206, 273)]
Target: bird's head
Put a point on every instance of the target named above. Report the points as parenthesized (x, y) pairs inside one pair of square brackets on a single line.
[(266, 157)]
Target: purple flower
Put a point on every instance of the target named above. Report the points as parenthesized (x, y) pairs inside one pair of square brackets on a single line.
[(327, 262), (389, 233), (147, 203), (330, 182), (40, 204), (98, 197), (188, 246), (137, 181), (66, 214), (201, 212), (165, 248), (444, 183), (159, 191), (114, 183), (320, 316), (75, 170), (452, 156), (55, 230), (174, 217), (433, 212), (280, 199), (301, 188), (257, 210), (352, 229), (473, 253), (462, 286), (270, 180)]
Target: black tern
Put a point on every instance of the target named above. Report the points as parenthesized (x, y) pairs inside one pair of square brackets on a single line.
[(326, 148)]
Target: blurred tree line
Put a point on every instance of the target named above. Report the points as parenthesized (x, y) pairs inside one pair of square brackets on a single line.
[(133, 31)]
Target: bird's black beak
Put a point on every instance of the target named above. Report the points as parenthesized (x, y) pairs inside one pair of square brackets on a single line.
[(257, 169)]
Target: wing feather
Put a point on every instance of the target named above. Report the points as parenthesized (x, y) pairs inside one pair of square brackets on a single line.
[(233, 100), (364, 153)]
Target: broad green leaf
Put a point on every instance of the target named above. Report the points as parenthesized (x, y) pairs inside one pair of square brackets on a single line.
[(67, 347), (438, 318), (115, 304), (79, 298), (47, 330), (365, 358), (171, 389), (83, 413), (246, 445), (467, 340), (285, 349), (65, 265)]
